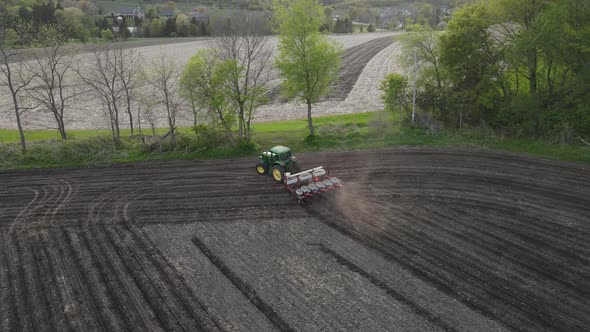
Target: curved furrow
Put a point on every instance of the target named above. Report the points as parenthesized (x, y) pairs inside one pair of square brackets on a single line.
[(121, 290), (476, 246)]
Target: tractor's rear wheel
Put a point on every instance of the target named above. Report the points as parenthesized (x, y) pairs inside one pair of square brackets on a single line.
[(277, 173), (261, 168)]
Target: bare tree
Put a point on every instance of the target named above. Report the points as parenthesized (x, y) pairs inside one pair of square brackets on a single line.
[(14, 36), (163, 77), (51, 63), (245, 43), (103, 78), (146, 106), (129, 66)]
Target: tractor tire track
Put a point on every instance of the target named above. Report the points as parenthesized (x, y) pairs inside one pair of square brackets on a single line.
[(390, 291), (78, 306), (171, 287), (124, 292), (198, 317)]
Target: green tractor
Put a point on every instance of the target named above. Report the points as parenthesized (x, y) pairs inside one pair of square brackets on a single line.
[(276, 162)]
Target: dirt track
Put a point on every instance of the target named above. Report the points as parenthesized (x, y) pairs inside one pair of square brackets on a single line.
[(419, 240), (353, 63)]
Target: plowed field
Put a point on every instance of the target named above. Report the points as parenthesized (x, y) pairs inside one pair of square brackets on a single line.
[(417, 240)]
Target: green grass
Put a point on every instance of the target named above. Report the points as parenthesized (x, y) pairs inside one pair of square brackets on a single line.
[(341, 132), (12, 136)]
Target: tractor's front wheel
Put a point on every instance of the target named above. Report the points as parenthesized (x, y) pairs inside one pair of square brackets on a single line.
[(261, 168), (277, 173)]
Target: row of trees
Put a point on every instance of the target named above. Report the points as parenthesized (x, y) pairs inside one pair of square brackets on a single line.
[(46, 79), (343, 26), (222, 85), (41, 81), (520, 67), (180, 26)]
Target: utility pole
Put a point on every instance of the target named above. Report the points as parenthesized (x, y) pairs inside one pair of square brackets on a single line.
[(414, 89)]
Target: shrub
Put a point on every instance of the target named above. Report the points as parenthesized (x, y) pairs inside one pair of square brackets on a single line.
[(210, 137), (395, 92), (106, 34)]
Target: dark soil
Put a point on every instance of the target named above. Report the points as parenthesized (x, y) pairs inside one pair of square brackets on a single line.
[(418, 239), (353, 62)]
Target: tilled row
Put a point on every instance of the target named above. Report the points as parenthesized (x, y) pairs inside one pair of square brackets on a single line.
[(353, 63)]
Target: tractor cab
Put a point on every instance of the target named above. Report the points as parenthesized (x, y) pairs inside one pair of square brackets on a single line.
[(276, 162)]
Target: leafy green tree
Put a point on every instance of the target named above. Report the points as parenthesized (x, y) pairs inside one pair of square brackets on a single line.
[(395, 89), (517, 20), (107, 34), (75, 22), (43, 13), (123, 30), (328, 20), (473, 62), (423, 43), (203, 83), (307, 61), (182, 25), (204, 29), (157, 27), (348, 25), (339, 26), (24, 13), (427, 15), (189, 84), (86, 6), (102, 24)]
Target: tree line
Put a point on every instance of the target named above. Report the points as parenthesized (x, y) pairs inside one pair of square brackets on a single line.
[(521, 68)]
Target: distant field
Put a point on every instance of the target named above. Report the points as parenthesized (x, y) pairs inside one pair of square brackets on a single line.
[(110, 6)]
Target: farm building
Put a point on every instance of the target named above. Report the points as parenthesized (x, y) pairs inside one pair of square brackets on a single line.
[(199, 17), (129, 12), (167, 13)]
